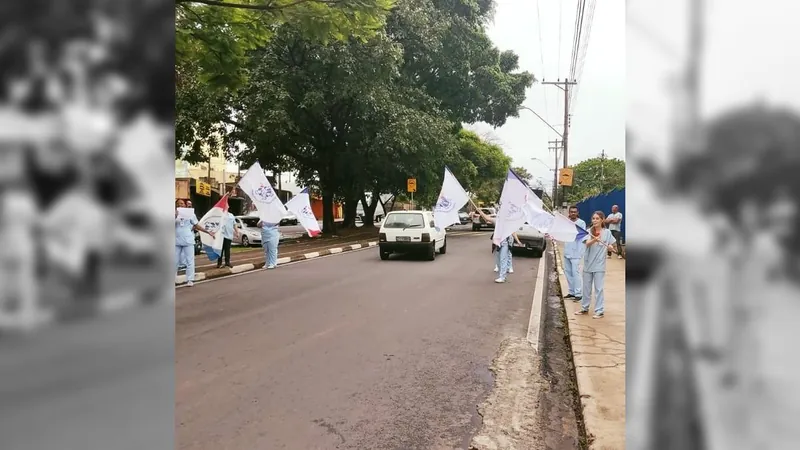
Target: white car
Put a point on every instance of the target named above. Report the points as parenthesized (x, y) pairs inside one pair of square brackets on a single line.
[(409, 232), (247, 231)]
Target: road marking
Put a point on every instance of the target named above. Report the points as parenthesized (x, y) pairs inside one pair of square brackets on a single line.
[(284, 260), (334, 251), (251, 272), (534, 323), (355, 246), (311, 255), (243, 268)]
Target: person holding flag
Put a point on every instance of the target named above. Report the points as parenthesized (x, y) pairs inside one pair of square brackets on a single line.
[(270, 209), (185, 223), (573, 252), (597, 242)]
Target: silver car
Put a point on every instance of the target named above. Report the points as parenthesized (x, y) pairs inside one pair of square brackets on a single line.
[(247, 231), (532, 240)]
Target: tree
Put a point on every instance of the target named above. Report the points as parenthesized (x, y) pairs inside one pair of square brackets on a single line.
[(524, 174), (595, 176), (215, 39), (217, 36), (333, 113)]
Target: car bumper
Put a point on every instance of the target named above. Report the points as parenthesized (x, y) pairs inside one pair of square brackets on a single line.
[(530, 244), (404, 246)]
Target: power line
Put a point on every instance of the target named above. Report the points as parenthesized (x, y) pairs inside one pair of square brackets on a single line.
[(541, 55), (560, 22), (582, 51)]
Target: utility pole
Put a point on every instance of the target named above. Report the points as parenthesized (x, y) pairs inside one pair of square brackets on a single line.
[(602, 170), (564, 86), (554, 145)]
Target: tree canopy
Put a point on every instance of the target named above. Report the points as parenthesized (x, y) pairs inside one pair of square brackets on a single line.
[(595, 176), (364, 113)]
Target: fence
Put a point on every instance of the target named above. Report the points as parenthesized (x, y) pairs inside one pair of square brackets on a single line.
[(603, 202)]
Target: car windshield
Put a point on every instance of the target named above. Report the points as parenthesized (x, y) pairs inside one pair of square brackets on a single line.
[(250, 222), (406, 220)]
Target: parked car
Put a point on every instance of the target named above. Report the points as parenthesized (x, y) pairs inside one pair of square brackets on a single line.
[(247, 231), (410, 232), (532, 240), (477, 220), (464, 218), (288, 219)]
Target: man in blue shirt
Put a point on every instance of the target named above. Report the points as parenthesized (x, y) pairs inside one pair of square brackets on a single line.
[(573, 252), (227, 230)]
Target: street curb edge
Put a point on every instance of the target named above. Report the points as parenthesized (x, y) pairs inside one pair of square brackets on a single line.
[(180, 280)]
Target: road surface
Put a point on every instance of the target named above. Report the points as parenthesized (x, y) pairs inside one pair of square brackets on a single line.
[(347, 351)]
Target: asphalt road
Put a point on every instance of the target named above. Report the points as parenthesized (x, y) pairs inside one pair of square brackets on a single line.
[(98, 384), (256, 254), (347, 351)]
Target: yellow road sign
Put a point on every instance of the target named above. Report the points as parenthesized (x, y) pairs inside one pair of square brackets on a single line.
[(565, 176), (203, 189), (412, 185)]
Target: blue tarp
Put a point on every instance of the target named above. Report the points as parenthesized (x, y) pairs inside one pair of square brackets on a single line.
[(603, 202)]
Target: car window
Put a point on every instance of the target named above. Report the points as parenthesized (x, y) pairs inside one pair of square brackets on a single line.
[(251, 222), (404, 221)]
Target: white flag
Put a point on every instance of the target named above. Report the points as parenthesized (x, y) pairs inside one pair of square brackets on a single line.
[(539, 218), (565, 230), (512, 208), (300, 205), (212, 222), (452, 198), (257, 186)]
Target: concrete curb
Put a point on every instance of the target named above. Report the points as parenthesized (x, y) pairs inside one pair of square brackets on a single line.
[(603, 431), (242, 268)]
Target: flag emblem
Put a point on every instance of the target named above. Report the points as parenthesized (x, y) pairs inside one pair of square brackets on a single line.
[(264, 193), (444, 204)]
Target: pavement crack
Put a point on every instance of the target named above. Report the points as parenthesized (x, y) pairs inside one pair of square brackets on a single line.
[(330, 429)]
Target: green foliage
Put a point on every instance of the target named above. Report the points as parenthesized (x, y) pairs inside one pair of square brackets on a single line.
[(523, 173), (595, 176), (350, 112), (216, 36)]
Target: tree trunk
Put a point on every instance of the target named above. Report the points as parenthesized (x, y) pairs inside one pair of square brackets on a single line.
[(350, 212), (369, 209), (328, 223)]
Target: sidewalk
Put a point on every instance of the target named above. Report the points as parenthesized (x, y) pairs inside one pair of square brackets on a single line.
[(598, 352)]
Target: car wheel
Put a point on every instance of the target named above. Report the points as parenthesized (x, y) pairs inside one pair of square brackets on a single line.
[(385, 255), (476, 227), (443, 250), (245, 241), (538, 253), (432, 251)]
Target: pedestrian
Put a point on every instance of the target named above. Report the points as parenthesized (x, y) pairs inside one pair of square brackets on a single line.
[(184, 241), (614, 221), (573, 252), (594, 265), (227, 229), (502, 259), (509, 259), (269, 241)]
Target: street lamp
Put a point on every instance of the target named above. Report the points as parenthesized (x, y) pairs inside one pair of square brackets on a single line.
[(542, 119)]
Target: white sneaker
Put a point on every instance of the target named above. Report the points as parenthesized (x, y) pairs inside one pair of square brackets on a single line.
[(510, 270), (500, 280), (619, 256), (270, 267), (190, 283), (496, 269)]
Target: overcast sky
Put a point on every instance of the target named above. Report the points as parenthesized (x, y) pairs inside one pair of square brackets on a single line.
[(598, 115), (746, 60)]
